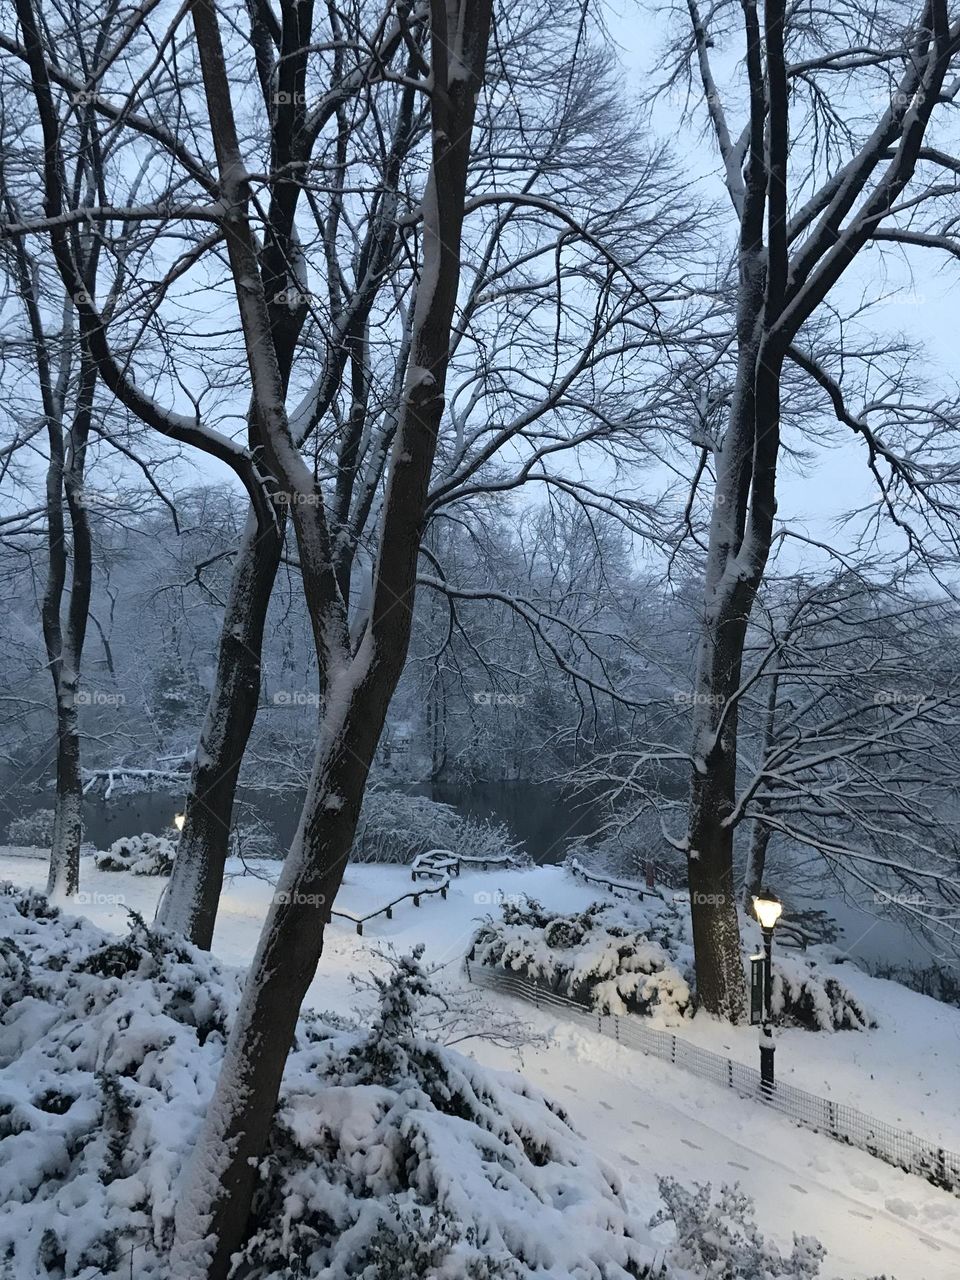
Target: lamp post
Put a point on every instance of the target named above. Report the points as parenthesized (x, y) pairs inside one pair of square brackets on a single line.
[(768, 909), (178, 820)]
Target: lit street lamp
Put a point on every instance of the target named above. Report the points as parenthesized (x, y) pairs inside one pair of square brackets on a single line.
[(179, 820), (768, 909)]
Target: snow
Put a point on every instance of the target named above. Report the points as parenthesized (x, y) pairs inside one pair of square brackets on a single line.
[(641, 1116)]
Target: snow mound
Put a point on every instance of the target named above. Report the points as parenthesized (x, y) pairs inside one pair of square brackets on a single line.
[(802, 996), (612, 958), (391, 1156), (145, 855)]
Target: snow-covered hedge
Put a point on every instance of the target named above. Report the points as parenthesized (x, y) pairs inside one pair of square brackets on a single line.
[(144, 855), (611, 958), (391, 1157), (33, 829), (802, 996), (638, 958), (395, 827)]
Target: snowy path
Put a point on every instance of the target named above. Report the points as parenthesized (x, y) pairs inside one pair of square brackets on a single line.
[(645, 1117)]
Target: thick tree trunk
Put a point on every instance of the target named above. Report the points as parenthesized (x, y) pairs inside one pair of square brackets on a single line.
[(212, 1214), (63, 879), (721, 987), (358, 686), (189, 905)]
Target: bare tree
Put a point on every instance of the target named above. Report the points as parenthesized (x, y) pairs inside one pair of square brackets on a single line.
[(357, 677), (812, 184)]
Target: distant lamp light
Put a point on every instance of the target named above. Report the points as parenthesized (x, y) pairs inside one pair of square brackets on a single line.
[(180, 819), (767, 907)]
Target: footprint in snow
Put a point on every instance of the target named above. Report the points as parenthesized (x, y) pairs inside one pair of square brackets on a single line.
[(640, 1124), (857, 1214), (629, 1160), (605, 1104), (902, 1208), (687, 1143), (796, 1186), (734, 1165)]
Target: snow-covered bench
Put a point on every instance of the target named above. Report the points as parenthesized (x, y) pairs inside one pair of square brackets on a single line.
[(434, 864)]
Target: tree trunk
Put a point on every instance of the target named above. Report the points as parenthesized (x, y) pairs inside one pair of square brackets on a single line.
[(189, 905), (63, 879), (212, 1214), (215, 1201), (721, 987), (756, 861)]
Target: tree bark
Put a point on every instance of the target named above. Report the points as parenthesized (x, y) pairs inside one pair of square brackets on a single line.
[(189, 906), (357, 686)]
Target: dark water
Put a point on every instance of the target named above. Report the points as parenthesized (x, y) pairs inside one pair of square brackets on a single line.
[(539, 816)]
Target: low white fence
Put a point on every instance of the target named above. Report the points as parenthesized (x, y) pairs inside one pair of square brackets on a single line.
[(898, 1147)]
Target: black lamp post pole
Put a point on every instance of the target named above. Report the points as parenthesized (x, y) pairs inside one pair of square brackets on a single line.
[(767, 1045)]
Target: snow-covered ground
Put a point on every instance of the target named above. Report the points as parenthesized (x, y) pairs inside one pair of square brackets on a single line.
[(643, 1116)]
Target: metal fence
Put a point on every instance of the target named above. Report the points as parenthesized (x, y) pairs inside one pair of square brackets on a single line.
[(898, 1147)]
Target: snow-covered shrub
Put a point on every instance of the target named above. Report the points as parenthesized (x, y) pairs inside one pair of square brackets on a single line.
[(609, 957), (33, 829), (395, 827), (721, 1240), (390, 1158), (144, 855), (802, 996)]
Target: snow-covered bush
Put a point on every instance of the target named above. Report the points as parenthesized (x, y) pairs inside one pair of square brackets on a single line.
[(144, 855), (33, 829), (390, 1158), (722, 1240), (802, 996), (395, 827), (609, 957)]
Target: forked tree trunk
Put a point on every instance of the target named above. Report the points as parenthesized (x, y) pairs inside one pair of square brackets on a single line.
[(215, 1200)]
